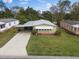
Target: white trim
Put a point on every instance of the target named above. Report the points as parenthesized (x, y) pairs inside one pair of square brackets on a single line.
[(43, 27), (77, 25), (2, 23)]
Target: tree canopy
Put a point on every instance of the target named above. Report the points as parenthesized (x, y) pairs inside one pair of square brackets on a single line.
[(63, 10)]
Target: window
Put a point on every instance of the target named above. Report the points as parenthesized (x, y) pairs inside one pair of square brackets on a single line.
[(50, 29), (78, 29), (75, 29), (9, 24), (14, 22), (42, 29), (36, 29), (45, 29), (2, 26), (39, 29), (72, 29), (69, 28)]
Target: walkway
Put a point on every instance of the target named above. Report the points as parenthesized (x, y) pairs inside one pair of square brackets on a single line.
[(17, 45)]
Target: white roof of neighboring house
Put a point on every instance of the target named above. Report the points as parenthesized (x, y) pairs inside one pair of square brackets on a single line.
[(37, 22), (73, 23), (7, 20), (1, 23)]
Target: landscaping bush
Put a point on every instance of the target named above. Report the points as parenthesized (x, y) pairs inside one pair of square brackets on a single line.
[(58, 32), (34, 32)]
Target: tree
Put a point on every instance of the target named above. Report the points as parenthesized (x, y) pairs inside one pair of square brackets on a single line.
[(60, 10), (15, 10), (32, 14), (2, 6), (55, 12), (22, 16), (4, 11), (67, 16), (47, 15), (54, 9), (64, 6), (28, 15), (6, 14), (75, 11)]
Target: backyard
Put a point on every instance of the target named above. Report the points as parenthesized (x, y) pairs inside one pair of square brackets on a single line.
[(6, 36), (64, 44)]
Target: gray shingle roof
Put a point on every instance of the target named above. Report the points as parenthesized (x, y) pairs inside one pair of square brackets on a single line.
[(39, 22), (7, 20), (72, 22)]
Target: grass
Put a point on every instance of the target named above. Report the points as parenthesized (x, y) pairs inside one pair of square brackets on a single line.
[(6, 36), (62, 45)]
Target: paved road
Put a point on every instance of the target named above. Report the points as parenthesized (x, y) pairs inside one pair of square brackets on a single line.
[(17, 45), (42, 57)]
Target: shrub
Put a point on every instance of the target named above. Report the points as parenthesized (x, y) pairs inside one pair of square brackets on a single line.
[(34, 32), (58, 32)]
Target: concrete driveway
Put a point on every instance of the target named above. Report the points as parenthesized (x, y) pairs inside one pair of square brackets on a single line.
[(17, 45)]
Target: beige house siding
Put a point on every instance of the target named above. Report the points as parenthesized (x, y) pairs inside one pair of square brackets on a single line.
[(69, 27), (76, 31), (45, 31)]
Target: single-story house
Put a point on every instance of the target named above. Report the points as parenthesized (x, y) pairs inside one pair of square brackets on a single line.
[(41, 26), (71, 26), (7, 23)]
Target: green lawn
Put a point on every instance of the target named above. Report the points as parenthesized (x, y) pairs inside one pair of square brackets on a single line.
[(51, 45), (6, 36)]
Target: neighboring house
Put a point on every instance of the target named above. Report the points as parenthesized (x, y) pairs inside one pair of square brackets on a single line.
[(41, 26), (72, 26), (7, 23)]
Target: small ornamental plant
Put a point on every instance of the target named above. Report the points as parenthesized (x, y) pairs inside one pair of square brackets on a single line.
[(58, 32), (34, 32)]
